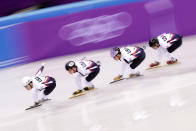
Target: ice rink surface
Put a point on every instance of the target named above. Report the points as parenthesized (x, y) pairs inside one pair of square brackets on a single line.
[(164, 99)]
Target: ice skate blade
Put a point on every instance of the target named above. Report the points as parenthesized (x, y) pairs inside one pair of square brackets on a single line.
[(166, 65), (117, 80), (32, 107), (42, 101), (153, 67), (134, 76), (74, 96)]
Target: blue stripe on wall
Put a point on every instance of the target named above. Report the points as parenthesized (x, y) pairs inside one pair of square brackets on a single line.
[(61, 10), (11, 43)]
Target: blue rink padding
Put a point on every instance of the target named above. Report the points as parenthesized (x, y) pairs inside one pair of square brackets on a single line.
[(61, 10)]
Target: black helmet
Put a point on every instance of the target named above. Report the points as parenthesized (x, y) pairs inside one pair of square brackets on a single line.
[(70, 65), (114, 51), (153, 41)]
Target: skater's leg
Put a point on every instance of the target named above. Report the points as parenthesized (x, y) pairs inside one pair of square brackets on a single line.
[(136, 62), (175, 45), (92, 75), (49, 89), (89, 78)]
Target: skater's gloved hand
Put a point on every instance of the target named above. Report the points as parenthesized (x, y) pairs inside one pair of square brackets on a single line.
[(154, 64), (98, 63), (117, 77)]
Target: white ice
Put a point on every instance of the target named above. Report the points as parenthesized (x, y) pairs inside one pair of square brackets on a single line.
[(164, 99)]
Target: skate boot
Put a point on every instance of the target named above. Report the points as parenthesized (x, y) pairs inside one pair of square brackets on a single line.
[(154, 64), (172, 61), (88, 88), (77, 92), (117, 77), (43, 100), (135, 74)]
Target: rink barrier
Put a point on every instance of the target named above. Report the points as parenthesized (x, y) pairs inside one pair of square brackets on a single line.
[(15, 35), (94, 29), (61, 10)]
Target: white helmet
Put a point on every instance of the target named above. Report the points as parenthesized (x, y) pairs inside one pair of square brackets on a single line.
[(26, 80)]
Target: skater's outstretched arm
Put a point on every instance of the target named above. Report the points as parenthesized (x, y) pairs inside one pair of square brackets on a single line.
[(35, 95), (123, 67), (159, 54), (163, 51), (78, 81)]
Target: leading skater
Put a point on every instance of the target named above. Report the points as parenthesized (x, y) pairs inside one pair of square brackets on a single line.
[(130, 55), (38, 83), (165, 44)]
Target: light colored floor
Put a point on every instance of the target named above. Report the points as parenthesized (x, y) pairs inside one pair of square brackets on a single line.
[(163, 99)]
